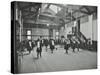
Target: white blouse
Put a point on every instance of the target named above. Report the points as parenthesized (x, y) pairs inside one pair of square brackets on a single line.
[(38, 44), (52, 42)]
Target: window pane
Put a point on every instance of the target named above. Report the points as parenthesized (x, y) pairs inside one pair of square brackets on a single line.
[(28, 32), (29, 37)]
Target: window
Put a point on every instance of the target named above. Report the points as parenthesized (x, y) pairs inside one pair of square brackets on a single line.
[(55, 8), (29, 34)]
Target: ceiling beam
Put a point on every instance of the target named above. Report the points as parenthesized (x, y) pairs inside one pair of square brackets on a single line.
[(78, 11), (88, 10), (25, 13), (60, 5), (29, 16), (84, 12), (25, 7), (70, 16), (31, 25), (29, 5), (77, 18), (48, 6)]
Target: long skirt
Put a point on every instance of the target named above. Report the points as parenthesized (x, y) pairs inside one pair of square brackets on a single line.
[(52, 47)]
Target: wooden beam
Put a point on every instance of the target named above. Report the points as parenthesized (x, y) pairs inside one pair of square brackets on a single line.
[(30, 5), (29, 14), (84, 12), (77, 18), (48, 6), (79, 10), (70, 16), (31, 25), (86, 7), (60, 5), (25, 7)]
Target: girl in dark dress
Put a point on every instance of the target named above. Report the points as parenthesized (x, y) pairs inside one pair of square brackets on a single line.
[(39, 48), (52, 45), (72, 43), (66, 46), (29, 46), (33, 44), (46, 43)]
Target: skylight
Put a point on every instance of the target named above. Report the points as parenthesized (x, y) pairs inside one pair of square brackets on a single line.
[(44, 6), (55, 8)]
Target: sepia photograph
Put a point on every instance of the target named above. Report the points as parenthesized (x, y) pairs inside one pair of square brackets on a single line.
[(51, 37)]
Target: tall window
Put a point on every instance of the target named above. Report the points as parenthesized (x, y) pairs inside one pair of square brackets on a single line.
[(29, 34), (57, 34)]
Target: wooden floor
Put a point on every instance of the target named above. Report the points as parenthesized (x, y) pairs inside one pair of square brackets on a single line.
[(58, 61)]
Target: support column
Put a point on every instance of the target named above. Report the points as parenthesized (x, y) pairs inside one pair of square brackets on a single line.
[(90, 27), (20, 34), (54, 33), (66, 32), (50, 33), (78, 26)]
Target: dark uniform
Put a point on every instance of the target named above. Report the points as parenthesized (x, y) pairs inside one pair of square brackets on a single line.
[(52, 45), (66, 46), (77, 45), (73, 44), (33, 44), (46, 42), (29, 46), (39, 48), (20, 48)]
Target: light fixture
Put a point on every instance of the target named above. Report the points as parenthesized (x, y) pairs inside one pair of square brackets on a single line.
[(57, 33), (47, 24)]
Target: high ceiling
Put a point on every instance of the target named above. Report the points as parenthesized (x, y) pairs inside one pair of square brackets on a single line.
[(53, 14)]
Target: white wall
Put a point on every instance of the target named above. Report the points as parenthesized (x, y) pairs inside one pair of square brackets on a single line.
[(85, 28), (37, 32), (95, 29)]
